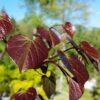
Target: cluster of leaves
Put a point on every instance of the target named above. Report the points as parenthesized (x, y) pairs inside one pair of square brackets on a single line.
[(33, 53)]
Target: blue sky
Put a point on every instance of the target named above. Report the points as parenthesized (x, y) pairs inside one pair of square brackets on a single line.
[(95, 13), (14, 9)]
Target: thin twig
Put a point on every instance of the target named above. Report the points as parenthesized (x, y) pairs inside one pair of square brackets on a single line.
[(63, 71), (39, 73), (62, 51)]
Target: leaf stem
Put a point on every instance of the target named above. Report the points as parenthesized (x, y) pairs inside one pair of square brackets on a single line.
[(57, 55), (63, 71)]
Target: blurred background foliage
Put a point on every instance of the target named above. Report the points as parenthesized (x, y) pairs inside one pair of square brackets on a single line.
[(48, 13)]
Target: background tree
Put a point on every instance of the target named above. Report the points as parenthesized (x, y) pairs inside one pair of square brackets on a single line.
[(59, 10)]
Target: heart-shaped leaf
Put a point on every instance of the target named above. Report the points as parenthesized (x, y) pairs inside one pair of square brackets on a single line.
[(49, 84), (30, 94), (26, 53), (75, 91), (5, 25)]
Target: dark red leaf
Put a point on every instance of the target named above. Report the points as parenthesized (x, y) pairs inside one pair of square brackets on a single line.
[(49, 36), (76, 67), (80, 71), (26, 53), (44, 34), (65, 60), (30, 94), (68, 27), (75, 91), (91, 53), (49, 84), (94, 62), (5, 25), (92, 57), (89, 49)]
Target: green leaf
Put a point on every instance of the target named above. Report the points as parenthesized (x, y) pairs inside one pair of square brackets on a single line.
[(49, 84)]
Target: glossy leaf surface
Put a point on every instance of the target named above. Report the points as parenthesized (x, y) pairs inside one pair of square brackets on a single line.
[(49, 36), (89, 49), (76, 67), (26, 53), (65, 60), (91, 53)]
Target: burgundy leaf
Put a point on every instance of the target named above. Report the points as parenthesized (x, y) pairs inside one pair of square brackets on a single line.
[(76, 67), (80, 71), (49, 36), (44, 34), (26, 53), (91, 53), (5, 25), (30, 94), (65, 60), (68, 27), (89, 49), (94, 62), (75, 91)]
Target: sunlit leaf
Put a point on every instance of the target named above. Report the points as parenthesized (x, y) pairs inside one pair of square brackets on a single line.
[(26, 53), (5, 25), (69, 28), (89, 49), (49, 36), (54, 38), (91, 53)]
